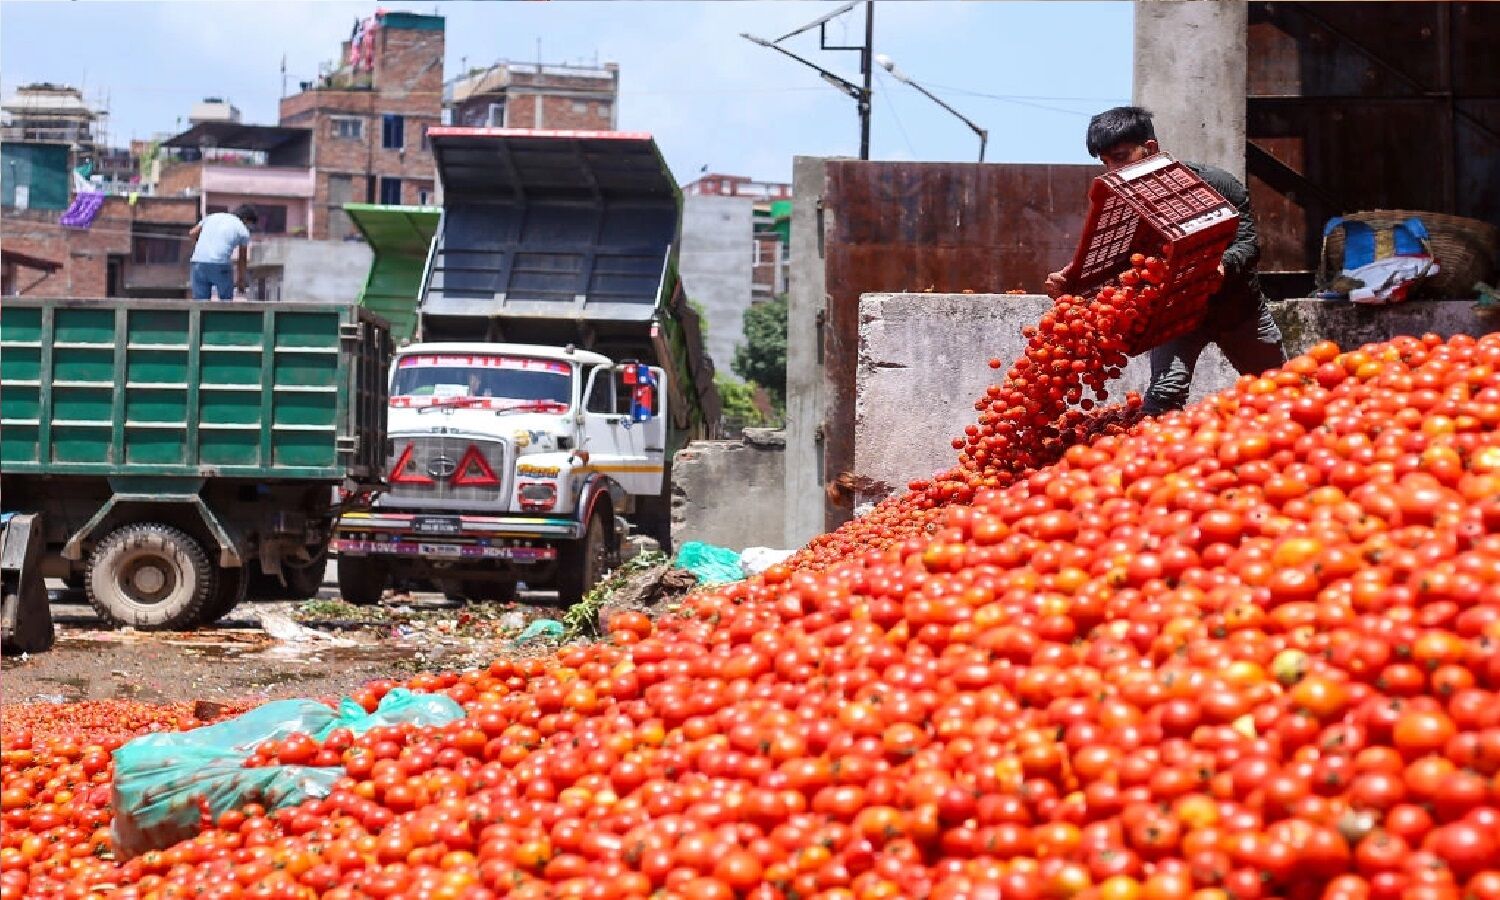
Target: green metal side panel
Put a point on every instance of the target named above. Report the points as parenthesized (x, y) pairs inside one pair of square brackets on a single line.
[(176, 388), (40, 168), (400, 237)]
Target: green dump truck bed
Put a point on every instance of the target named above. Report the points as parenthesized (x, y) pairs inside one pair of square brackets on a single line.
[(401, 239), (170, 388)]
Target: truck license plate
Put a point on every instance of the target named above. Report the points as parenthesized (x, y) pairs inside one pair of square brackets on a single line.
[(437, 525), (440, 550)]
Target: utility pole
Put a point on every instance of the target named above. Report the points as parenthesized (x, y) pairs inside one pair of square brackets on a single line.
[(861, 94), (867, 69)]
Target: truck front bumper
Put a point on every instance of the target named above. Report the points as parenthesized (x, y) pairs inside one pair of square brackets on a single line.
[(521, 539)]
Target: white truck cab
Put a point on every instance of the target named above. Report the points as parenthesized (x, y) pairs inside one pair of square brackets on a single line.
[(500, 456)]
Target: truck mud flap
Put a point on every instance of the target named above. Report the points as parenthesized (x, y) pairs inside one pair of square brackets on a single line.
[(25, 616)]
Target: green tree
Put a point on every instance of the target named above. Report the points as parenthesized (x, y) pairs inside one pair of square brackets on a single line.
[(762, 358), (738, 401)]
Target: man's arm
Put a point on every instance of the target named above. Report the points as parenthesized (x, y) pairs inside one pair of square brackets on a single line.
[(1244, 252), (1057, 282), (195, 231), (241, 263)]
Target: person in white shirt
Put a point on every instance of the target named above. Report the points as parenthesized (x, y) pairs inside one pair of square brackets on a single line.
[(219, 235)]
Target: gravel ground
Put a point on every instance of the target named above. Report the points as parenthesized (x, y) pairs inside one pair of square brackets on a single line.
[(239, 660)]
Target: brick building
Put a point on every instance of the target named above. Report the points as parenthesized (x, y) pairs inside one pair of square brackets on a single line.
[(533, 95), (226, 164), (138, 249), (368, 118)]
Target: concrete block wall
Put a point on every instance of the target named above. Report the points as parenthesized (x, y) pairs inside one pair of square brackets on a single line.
[(300, 269), (730, 493), (923, 360)]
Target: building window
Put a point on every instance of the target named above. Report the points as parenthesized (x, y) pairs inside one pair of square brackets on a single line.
[(349, 128), (422, 197), (271, 217), (393, 132), (580, 107), (158, 245), (496, 114), (390, 191), (603, 110), (426, 141)]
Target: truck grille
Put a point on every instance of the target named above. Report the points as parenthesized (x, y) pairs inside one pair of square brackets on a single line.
[(431, 474)]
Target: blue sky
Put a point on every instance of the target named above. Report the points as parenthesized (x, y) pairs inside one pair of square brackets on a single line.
[(711, 98)]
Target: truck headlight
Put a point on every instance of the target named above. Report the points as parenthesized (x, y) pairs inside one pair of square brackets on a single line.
[(537, 495)]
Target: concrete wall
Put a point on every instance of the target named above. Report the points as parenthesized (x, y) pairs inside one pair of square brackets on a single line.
[(1190, 72), (301, 269), (807, 303), (729, 493), (715, 264), (923, 361)]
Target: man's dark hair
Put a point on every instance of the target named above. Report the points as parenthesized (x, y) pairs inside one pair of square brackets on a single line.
[(247, 214), (1121, 125)]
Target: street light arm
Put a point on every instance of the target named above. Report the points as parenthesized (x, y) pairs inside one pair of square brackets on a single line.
[(843, 84), (940, 102), (984, 134)]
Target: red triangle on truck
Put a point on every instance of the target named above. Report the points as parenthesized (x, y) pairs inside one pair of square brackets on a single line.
[(405, 470), (474, 471)]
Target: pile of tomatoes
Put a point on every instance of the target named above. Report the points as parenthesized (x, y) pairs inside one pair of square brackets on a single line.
[(1250, 649)]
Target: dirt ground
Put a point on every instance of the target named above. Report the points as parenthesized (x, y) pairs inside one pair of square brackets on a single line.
[(339, 649)]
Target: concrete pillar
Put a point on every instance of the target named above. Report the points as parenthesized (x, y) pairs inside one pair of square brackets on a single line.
[(1190, 72), (807, 298)]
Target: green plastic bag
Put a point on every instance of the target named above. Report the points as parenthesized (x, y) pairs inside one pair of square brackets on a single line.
[(163, 781), (710, 564)]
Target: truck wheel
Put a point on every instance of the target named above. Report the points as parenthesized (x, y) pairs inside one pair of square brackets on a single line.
[(302, 583), (581, 564), (150, 576), (362, 580), (228, 593)]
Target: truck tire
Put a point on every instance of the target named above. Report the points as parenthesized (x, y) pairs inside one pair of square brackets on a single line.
[(228, 593), (362, 581), (302, 582), (581, 564), (150, 576)]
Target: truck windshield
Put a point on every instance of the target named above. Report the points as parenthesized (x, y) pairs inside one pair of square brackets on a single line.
[(484, 382)]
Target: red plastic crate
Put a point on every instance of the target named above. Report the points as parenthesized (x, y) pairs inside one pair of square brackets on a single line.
[(1141, 208)]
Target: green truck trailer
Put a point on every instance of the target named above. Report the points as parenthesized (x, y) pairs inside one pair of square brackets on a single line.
[(159, 453)]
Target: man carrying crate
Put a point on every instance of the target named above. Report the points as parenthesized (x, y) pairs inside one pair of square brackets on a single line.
[(1238, 319)]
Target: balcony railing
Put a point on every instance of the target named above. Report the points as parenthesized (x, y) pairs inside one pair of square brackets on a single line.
[(67, 134)]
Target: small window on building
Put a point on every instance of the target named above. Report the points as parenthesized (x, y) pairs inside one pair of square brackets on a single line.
[(272, 218), (603, 110), (158, 245), (580, 107), (426, 141), (390, 191), (496, 115), (349, 128), (393, 132), (422, 197)]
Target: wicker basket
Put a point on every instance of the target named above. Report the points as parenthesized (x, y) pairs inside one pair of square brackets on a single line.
[(1467, 250)]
